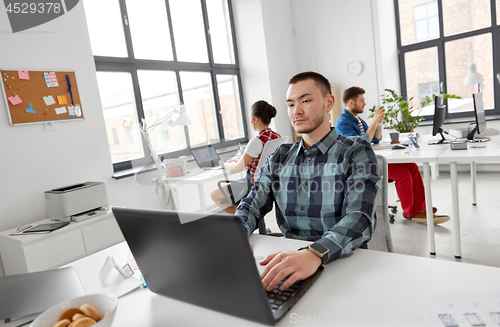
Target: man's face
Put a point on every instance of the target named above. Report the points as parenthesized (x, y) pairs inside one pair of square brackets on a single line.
[(358, 105), (307, 107)]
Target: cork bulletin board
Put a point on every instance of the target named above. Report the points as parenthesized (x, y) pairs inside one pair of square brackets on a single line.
[(41, 96)]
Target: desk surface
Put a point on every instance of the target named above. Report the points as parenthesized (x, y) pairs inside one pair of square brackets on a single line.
[(426, 152), (441, 153), (369, 288), (490, 152)]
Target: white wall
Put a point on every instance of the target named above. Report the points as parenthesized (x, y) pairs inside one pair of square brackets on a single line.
[(265, 42), (330, 34)]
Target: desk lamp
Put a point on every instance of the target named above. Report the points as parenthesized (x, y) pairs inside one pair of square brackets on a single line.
[(182, 119), (473, 77)]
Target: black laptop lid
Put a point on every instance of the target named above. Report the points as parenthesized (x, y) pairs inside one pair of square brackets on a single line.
[(206, 156), (206, 262)]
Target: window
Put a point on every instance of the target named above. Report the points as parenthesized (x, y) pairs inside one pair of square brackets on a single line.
[(150, 57), (427, 90), (426, 21), (115, 136), (437, 40)]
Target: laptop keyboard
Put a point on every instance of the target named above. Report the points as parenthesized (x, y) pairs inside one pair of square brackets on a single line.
[(277, 297)]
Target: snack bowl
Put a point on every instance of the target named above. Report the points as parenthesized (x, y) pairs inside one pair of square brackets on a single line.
[(102, 302)]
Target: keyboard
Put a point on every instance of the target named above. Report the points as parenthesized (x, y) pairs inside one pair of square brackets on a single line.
[(277, 297)]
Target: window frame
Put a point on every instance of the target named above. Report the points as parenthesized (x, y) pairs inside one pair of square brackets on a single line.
[(132, 65), (440, 42)]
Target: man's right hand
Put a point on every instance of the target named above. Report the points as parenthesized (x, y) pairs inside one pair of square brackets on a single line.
[(379, 115)]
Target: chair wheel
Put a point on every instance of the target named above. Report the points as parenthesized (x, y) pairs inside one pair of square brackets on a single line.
[(394, 210), (391, 219)]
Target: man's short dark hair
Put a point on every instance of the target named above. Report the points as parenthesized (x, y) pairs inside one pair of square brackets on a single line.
[(322, 82), (352, 93)]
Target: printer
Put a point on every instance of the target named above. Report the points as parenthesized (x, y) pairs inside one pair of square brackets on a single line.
[(77, 202)]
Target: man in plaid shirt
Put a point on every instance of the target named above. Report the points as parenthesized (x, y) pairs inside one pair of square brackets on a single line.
[(324, 187)]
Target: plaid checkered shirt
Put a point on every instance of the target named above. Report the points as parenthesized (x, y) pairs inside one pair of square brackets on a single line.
[(324, 195), (264, 135)]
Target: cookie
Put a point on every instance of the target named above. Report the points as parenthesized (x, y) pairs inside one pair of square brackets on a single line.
[(90, 311), (85, 322), (69, 313), (78, 316), (63, 323)]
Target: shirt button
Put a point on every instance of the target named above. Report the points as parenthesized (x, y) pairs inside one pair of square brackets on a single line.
[(302, 208)]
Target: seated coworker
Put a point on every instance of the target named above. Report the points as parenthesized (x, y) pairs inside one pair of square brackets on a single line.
[(323, 187), (260, 118), (409, 184)]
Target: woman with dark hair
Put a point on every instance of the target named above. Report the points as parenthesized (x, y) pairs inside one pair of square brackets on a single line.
[(260, 118)]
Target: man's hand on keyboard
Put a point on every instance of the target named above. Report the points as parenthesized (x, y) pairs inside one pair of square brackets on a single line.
[(298, 265)]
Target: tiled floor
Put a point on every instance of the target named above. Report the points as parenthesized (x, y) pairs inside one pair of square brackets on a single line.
[(480, 224)]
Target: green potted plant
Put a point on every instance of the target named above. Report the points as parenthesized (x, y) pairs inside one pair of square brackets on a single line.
[(399, 110)]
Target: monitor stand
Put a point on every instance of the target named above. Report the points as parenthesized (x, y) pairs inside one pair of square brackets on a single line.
[(478, 139), (441, 141), (475, 139)]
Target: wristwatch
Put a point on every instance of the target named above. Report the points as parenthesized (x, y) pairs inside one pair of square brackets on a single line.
[(318, 250)]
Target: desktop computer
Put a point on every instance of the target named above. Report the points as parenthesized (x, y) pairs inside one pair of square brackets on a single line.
[(439, 116), (480, 124)]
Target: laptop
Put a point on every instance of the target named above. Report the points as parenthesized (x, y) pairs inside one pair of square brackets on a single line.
[(206, 157), (206, 262), (29, 293)]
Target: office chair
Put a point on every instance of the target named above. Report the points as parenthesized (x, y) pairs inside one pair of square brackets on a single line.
[(269, 148), (381, 237), (394, 209)]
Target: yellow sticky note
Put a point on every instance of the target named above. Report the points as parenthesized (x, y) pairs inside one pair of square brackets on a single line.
[(62, 99)]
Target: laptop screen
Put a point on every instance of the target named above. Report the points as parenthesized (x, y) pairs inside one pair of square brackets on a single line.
[(206, 156)]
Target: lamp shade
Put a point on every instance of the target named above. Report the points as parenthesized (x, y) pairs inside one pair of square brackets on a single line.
[(473, 77), (183, 119)]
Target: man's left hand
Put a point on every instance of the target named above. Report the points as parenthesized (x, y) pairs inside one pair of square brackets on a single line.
[(298, 265)]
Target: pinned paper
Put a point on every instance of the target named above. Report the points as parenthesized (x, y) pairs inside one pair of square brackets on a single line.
[(15, 99), (62, 99), (23, 74), (74, 111), (49, 100), (51, 79), (61, 110), (31, 110)]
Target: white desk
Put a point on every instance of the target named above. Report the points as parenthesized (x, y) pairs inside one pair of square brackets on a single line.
[(443, 154), (472, 155), (199, 178), (425, 155), (369, 288)]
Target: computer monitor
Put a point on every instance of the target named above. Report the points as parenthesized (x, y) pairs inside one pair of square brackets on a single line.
[(480, 119), (439, 116)]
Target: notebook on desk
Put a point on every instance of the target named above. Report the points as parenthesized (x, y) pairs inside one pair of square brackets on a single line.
[(206, 262)]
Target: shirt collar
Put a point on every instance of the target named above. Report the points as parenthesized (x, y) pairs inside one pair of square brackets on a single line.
[(264, 131), (322, 145), (350, 116)]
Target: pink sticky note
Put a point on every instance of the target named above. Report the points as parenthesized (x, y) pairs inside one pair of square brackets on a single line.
[(23, 74), (15, 99)]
